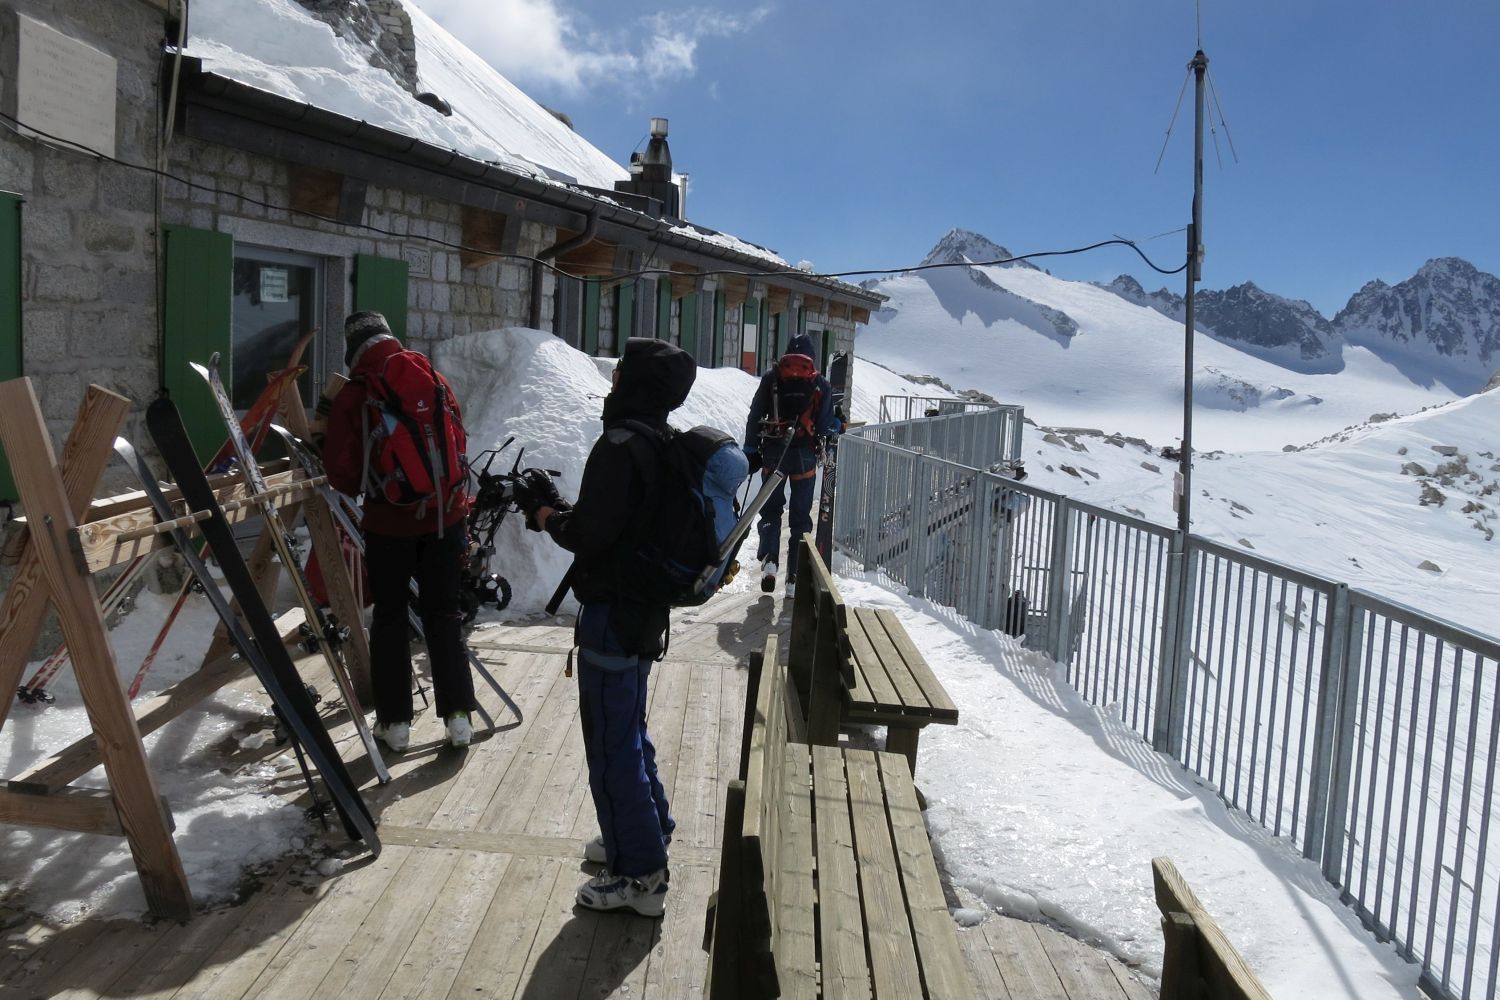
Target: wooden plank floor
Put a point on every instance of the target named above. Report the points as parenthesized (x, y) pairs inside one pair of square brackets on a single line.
[(472, 895)]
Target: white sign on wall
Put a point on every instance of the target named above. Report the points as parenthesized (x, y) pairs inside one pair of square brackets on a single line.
[(65, 87)]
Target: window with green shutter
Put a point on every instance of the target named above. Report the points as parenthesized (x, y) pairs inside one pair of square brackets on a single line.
[(10, 310), (624, 315), (380, 285), (197, 322), (687, 324), (591, 316), (717, 339)]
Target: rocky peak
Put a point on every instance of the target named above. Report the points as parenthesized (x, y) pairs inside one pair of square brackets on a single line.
[(1442, 323), (960, 246), (1247, 314)]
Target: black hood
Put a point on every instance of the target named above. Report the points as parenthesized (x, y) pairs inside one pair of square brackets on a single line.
[(655, 377)]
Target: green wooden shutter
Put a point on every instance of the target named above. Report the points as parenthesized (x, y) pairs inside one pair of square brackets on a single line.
[(624, 315), (197, 321), (717, 337), (687, 324), (663, 309), (763, 355), (380, 284), (10, 310), (591, 316)]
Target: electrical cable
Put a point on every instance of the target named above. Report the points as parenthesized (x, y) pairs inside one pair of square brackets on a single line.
[(17, 126)]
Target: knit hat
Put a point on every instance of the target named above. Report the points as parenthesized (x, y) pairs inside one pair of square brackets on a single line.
[(361, 327)]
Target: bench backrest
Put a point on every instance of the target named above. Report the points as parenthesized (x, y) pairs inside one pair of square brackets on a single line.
[(817, 601), (1199, 963), (746, 928)]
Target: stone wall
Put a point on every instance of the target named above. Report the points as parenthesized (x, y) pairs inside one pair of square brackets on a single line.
[(88, 281)]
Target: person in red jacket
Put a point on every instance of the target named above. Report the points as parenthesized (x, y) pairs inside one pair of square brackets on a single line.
[(401, 544)]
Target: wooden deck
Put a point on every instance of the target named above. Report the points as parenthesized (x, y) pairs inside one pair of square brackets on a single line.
[(473, 893)]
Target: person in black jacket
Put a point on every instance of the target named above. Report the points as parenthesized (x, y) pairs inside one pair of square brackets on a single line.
[(619, 634)]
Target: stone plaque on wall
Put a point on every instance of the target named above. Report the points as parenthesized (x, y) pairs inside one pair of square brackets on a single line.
[(63, 86), (418, 261)]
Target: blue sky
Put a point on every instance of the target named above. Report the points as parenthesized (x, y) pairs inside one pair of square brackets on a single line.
[(856, 134)]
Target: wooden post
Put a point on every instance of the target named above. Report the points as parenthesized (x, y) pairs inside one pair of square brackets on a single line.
[(825, 695), (85, 455), (52, 515), (336, 578), (725, 961)]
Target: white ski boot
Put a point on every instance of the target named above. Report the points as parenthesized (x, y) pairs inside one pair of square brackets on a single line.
[(768, 575), (646, 895), (460, 730), (395, 735)]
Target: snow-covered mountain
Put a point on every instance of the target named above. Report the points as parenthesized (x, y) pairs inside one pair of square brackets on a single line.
[(1440, 325), (1078, 354)]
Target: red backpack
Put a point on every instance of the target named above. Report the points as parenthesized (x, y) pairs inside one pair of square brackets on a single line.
[(414, 438), (794, 398)]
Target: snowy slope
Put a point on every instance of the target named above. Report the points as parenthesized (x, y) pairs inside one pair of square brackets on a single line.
[(1077, 355), (1349, 508), (277, 46), (209, 764)]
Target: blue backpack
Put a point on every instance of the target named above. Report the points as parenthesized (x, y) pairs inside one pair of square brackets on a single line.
[(702, 471)]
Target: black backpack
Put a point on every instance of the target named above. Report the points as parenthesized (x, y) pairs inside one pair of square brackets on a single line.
[(676, 561), (794, 397)]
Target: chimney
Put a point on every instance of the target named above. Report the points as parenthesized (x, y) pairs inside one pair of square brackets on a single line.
[(651, 172)]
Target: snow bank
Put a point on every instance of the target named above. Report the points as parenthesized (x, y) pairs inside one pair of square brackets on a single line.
[(530, 384), (227, 817), (1043, 807)]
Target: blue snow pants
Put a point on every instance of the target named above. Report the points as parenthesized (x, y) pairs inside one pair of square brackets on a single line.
[(800, 466), (634, 815)]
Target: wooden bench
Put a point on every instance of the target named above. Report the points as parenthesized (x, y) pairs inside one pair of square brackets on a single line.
[(827, 885), (859, 665), (1199, 962)]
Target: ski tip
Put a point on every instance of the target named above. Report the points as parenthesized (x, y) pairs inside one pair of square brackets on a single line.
[(200, 369)]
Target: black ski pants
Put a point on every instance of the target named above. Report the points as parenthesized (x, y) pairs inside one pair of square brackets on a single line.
[(435, 563)]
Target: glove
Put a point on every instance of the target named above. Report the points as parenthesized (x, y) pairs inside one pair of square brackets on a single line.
[(539, 484), (753, 458)]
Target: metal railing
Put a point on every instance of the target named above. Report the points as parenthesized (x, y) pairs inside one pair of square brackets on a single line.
[(1363, 731), (895, 408)]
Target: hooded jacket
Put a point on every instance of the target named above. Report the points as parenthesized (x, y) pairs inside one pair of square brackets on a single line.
[(344, 448), (620, 484), (824, 420)]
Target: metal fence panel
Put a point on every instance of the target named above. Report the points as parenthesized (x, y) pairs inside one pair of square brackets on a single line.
[(1361, 730)]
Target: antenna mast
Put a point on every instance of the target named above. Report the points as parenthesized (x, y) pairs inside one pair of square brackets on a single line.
[(1199, 67)]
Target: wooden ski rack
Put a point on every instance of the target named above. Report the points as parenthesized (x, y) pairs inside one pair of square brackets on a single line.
[(65, 539)]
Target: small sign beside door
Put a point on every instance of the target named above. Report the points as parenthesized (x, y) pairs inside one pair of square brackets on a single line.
[(273, 284)]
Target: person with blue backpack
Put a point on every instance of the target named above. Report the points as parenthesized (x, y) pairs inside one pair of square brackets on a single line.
[(791, 414), (642, 533)]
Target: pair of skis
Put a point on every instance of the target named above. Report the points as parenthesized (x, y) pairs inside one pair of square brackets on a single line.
[(261, 645), (255, 425), (304, 457)]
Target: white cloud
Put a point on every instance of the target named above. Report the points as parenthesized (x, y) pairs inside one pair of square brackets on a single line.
[(539, 42)]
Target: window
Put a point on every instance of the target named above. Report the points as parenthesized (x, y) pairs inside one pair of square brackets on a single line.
[(278, 297)]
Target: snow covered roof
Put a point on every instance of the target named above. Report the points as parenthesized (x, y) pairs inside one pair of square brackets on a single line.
[(269, 52), (279, 47)]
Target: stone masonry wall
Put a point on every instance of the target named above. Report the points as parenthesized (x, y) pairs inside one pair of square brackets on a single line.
[(88, 281)]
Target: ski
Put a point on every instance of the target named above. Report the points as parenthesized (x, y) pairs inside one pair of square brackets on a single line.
[(838, 377), (265, 654), (255, 425), (324, 630), (304, 457)]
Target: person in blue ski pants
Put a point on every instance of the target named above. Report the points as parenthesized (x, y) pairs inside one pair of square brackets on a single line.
[(619, 633), (787, 441)]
